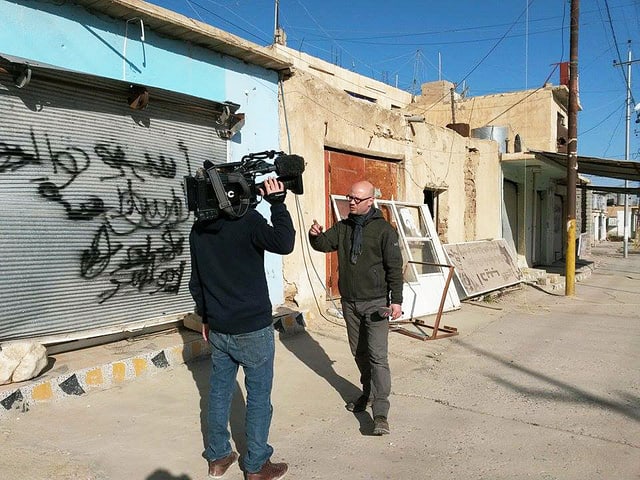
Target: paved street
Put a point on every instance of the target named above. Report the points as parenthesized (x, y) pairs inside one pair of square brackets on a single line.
[(536, 386)]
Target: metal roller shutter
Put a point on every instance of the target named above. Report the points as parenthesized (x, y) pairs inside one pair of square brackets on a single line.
[(93, 225)]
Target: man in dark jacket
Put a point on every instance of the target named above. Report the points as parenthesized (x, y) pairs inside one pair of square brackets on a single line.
[(229, 286), (370, 283)]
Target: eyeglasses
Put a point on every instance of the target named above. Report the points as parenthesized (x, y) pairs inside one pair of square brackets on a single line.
[(356, 199)]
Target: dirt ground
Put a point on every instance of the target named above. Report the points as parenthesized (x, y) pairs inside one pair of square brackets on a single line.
[(537, 385)]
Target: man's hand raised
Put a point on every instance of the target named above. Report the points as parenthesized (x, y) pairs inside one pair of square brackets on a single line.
[(316, 229)]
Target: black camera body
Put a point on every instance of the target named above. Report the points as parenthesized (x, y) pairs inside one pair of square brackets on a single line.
[(231, 189)]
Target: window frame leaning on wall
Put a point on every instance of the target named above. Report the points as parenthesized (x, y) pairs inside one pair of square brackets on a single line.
[(424, 284), (94, 228)]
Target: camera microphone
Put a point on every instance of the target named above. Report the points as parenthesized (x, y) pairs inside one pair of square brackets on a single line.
[(289, 165)]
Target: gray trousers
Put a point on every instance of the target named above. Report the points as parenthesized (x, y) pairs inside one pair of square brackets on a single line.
[(368, 334)]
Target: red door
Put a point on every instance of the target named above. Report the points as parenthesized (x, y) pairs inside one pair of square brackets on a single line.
[(341, 171)]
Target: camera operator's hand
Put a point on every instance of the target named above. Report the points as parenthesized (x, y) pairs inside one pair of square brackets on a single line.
[(273, 191)]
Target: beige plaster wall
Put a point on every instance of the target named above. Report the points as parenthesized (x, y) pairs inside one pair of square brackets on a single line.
[(384, 95), (530, 113), (319, 115)]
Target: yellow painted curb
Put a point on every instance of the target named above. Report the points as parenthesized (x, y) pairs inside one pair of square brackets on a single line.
[(42, 392)]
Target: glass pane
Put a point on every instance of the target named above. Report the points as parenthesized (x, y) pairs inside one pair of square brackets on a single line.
[(408, 268), (388, 215), (412, 222), (422, 251), (343, 208)]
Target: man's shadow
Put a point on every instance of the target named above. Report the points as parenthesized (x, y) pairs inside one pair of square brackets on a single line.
[(162, 474), (310, 352), (200, 368)]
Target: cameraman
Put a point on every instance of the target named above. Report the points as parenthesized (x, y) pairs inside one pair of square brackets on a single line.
[(229, 287)]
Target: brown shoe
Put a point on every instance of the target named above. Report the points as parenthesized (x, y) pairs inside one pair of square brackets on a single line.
[(270, 471), (217, 468)]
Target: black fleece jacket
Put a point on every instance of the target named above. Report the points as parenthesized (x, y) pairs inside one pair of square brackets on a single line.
[(228, 281), (378, 270)]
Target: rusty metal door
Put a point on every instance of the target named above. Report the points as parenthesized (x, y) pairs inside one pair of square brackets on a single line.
[(341, 171)]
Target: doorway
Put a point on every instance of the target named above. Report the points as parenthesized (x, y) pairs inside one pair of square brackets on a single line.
[(342, 169)]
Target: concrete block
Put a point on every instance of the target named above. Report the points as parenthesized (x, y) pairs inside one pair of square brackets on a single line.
[(193, 322), (554, 277), (289, 322)]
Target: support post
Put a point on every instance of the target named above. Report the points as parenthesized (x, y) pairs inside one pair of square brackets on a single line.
[(572, 155)]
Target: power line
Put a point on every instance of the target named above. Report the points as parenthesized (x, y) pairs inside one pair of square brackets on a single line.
[(615, 41), (191, 3)]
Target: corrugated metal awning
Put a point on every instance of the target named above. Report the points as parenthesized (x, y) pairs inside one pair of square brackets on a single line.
[(600, 167)]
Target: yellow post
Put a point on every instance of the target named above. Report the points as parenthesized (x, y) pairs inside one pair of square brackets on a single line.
[(570, 273)]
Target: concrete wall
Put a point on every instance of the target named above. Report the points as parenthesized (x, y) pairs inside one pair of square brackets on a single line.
[(319, 115), (530, 113)]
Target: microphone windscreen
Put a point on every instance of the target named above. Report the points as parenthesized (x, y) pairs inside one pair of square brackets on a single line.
[(289, 165)]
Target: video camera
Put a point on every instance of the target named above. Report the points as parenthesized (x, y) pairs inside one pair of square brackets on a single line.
[(230, 188)]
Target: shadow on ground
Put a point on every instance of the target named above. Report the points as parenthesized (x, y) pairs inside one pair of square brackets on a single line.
[(568, 393)]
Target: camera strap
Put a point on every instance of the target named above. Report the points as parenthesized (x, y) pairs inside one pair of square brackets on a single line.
[(223, 200)]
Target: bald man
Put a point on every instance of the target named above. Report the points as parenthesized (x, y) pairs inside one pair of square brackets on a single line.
[(370, 283)]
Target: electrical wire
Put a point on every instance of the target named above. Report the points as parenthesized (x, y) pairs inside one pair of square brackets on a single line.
[(477, 65), (615, 42), (191, 3), (301, 225), (617, 109)]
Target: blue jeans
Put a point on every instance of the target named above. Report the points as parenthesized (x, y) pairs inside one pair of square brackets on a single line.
[(255, 352)]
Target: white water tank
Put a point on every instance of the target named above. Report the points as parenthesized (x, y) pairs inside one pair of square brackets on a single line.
[(495, 133)]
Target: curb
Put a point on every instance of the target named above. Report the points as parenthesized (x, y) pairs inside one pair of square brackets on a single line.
[(150, 361), (101, 377)]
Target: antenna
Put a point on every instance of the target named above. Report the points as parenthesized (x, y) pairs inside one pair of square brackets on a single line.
[(276, 21), (415, 73), (279, 36)]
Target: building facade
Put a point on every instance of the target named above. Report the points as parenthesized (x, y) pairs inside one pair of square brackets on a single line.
[(105, 110)]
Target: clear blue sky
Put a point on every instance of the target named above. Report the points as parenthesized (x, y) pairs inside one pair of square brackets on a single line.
[(487, 46)]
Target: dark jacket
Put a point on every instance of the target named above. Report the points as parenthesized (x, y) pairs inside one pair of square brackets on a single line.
[(228, 281), (378, 270)]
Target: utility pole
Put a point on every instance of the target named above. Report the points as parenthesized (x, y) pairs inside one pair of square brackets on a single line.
[(625, 240), (572, 155)]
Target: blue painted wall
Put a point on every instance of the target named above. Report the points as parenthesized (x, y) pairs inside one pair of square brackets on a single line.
[(68, 36)]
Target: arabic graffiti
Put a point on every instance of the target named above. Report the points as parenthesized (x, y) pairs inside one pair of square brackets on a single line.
[(483, 265), (138, 243)]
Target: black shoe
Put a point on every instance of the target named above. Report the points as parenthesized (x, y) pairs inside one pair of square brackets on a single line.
[(380, 425), (359, 405)]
